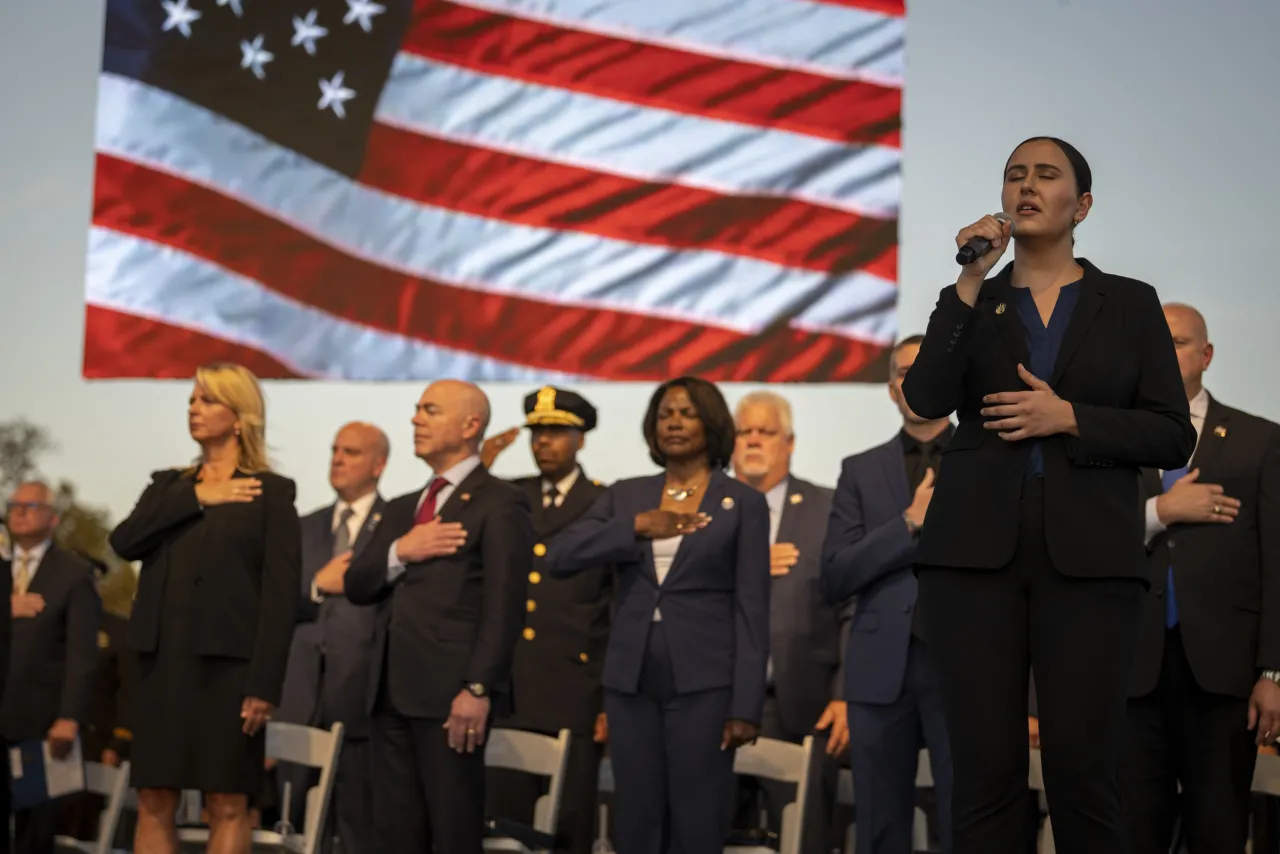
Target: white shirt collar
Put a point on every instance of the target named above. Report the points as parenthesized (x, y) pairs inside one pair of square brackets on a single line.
[(359, 508), (1200, 404), (564, 484), (36, 554), (459, 472), (776, 497)]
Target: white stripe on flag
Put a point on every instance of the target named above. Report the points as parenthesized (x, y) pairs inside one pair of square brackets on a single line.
[(836, 41), (135, 276), (645, 143), (163, 132)]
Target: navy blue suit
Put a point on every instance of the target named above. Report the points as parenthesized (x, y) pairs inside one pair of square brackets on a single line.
[(671, 685), (890, 684)]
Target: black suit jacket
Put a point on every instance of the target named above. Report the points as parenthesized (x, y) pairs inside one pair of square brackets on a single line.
[(1116, 367), (559, 658), (329, 656), (453, 620), (248, 577), (53, 654), (1226, 577), (111, 703), (804, 627), (6, 629)]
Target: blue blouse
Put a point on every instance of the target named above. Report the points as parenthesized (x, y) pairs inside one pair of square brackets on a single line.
[(1043, 344)]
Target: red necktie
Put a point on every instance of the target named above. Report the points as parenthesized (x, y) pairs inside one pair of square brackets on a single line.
[(427, 511)]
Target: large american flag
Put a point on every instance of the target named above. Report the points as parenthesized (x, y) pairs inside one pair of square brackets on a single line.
[(497, 189)]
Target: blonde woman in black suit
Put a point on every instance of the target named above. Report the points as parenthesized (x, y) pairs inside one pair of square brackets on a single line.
[(217, 594)]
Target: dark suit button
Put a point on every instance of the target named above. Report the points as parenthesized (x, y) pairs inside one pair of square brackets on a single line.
[(539, 550), (1159, 594), (535, 577), (531, 606), (1172, 544), (906, 609), (530, 634)]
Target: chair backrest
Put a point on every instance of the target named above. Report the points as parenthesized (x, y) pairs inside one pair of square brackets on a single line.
[(537, 754), (1266, 775), (782, 762), (302, 745), (314, 748), (113, 785)]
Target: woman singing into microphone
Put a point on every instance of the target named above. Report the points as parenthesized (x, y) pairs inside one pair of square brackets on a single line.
[(1031, 556), (220, 547)]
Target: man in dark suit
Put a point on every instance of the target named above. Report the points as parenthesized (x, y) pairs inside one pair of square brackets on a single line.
[(1208, 657), (6, 620), (451, 563), (54, 653), (328, 673), (804, 691), (890, 683), (107, 734), (558, 661)]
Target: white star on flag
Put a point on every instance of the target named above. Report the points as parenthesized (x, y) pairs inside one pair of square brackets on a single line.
[(179, 16), (333, 94), (306, 31), (253, 56), (363, 11), (235, 6)]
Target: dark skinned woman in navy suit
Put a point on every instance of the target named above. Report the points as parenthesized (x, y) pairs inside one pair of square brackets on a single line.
[(684, 674), (1032, 557)]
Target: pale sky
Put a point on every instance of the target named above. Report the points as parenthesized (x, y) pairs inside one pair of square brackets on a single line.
[(1173, 103)]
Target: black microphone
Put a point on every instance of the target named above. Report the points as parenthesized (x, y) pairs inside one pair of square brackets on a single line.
[(976, 247)]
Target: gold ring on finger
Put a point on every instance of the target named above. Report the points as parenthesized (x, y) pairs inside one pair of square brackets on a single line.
[(1217, 508)]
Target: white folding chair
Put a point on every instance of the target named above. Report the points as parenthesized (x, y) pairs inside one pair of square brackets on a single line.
[(530, 753), (1035, 781), (301, 745), (112, 784), (920, 822), (782, 762)]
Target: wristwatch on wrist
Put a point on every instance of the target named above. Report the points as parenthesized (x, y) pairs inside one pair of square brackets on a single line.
[(477, 690), (1271, 675)]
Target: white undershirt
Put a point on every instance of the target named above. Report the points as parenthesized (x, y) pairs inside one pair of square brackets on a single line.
[(664, 554), (1199, 411)]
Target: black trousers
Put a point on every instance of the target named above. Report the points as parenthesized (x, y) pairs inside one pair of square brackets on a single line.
[(987, 628), (1181, 733), (426, 795), (512, 795), (34, 829)]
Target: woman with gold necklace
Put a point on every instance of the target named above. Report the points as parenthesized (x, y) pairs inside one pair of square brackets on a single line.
[(684, 675)]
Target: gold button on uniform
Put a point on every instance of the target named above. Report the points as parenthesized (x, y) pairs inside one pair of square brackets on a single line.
[(539, 550), (531, 606), (529, 634), (582, 656), (535, 577)]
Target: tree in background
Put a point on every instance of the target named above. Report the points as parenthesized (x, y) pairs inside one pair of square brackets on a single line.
[(83, 528)]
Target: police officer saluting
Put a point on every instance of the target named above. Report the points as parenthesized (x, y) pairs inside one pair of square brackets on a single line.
[(558, 660)]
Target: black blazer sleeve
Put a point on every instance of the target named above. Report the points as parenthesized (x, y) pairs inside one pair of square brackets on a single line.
[(366, 580), (6, 626), (751, 589), (84, 615), (934, 386), (1155, 431), (506, 554), (168, 501), (281, 576), (1269, 554)]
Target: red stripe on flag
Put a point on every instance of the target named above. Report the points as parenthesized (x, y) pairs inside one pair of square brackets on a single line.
[(493, 43), (897, 8), (603, 343), (120, 345), (522, 190)]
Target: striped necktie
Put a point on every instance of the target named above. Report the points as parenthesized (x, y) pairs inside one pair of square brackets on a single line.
[(22, 578)]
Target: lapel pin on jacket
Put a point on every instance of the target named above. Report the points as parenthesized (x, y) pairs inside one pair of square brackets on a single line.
[(1000, 308), (1220, 431), (727, 503), (466, 496), (796, 498)]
